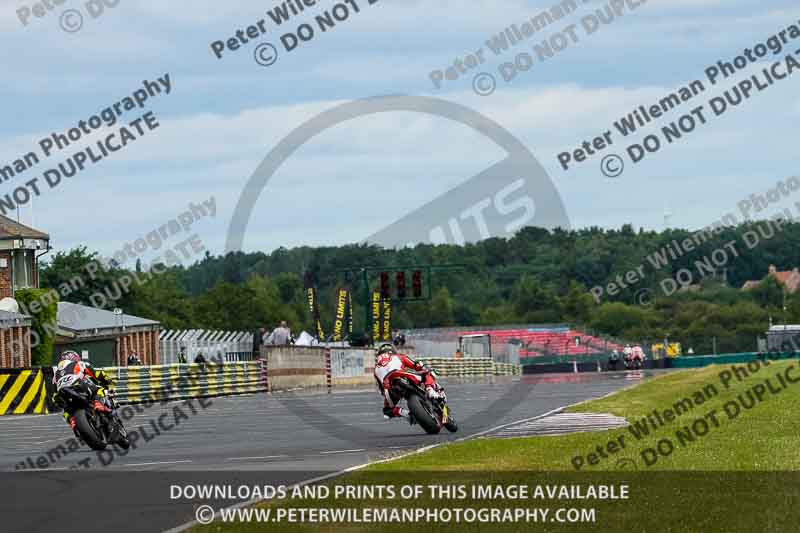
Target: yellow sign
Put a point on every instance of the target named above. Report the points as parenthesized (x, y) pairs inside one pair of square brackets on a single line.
[(673, 349), (341, 305), (387, 320), (376, 316)]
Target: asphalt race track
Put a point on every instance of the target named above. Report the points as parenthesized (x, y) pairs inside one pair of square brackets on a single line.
[(284, 438)]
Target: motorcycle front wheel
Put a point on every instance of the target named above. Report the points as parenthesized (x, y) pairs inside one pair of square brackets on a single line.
[(422, 414), (88, 432), (122, 441)]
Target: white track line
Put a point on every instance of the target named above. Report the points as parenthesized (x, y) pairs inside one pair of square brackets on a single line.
[(156, 463), (343, 451), (187, 525), (319, 479), (262, 457)]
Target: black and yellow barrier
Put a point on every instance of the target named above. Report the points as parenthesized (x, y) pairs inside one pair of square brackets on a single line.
[(140, 384), (22, 392), (469, 367)]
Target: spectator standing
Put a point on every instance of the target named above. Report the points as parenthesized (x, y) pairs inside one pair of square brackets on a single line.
[(398, 339), (258, 341), (282, 335), (200, 360)]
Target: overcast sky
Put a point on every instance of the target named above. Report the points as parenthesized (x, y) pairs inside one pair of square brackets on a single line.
[(223, 116)]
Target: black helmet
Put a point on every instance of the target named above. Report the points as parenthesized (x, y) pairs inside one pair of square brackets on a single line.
[(385, 348)]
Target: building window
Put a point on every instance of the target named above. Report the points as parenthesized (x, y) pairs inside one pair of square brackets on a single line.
[(22, 269)]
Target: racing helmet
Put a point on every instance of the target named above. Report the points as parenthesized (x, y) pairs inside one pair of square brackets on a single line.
[(69, 355), (385, 348)]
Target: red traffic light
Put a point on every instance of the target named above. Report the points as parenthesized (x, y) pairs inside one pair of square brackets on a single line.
[(400, 277), (385, 291), (416, 281)]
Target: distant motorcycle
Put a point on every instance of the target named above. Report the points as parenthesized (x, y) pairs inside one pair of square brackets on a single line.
[(431, 415), (613, 360), (633, 363), (96, 428)]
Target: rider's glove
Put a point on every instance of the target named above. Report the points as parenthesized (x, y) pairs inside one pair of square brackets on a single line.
[(57, 400)]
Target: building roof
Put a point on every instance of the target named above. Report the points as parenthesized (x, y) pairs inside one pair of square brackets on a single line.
[(786, 327), (78, 317), (783, 275), (8, 318), (14, 230)]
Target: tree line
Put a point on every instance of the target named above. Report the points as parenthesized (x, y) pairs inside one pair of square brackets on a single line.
[(536, 276)]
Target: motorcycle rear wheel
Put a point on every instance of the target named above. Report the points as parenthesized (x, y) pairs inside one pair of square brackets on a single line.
[(423, 417), (88, 432)]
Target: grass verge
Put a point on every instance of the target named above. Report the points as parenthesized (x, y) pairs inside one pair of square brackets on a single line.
[(725, 459)]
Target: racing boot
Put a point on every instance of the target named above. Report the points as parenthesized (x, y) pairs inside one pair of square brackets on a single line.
[(72, 424), (394, 412)]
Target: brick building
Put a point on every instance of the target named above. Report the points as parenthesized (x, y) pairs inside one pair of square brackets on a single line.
[(20, 249), (789, 279), (104, 337), (15, 340)]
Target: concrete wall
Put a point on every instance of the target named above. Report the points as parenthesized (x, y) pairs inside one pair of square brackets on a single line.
[(352, 366), (294, 366)]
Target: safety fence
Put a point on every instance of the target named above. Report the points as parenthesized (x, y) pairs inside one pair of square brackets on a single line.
[(23, 391), (695, 361), (499, 352), (220, 345)]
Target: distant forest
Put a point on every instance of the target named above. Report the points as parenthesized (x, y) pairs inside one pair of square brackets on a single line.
[(537, 276)]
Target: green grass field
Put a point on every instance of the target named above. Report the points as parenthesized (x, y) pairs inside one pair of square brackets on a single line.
[(724, 473), (765, 437)]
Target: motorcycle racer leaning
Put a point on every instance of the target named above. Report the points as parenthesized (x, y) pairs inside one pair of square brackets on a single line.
[(387, 362), (70, 364)]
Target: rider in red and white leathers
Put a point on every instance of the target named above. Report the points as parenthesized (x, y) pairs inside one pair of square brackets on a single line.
[(387, 362)]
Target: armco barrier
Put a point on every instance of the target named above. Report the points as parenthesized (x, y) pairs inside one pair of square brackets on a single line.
[(696, 361), (693, 361), (473, 366), (137, 384), (470, 366), (22, 391), (506, 369)]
